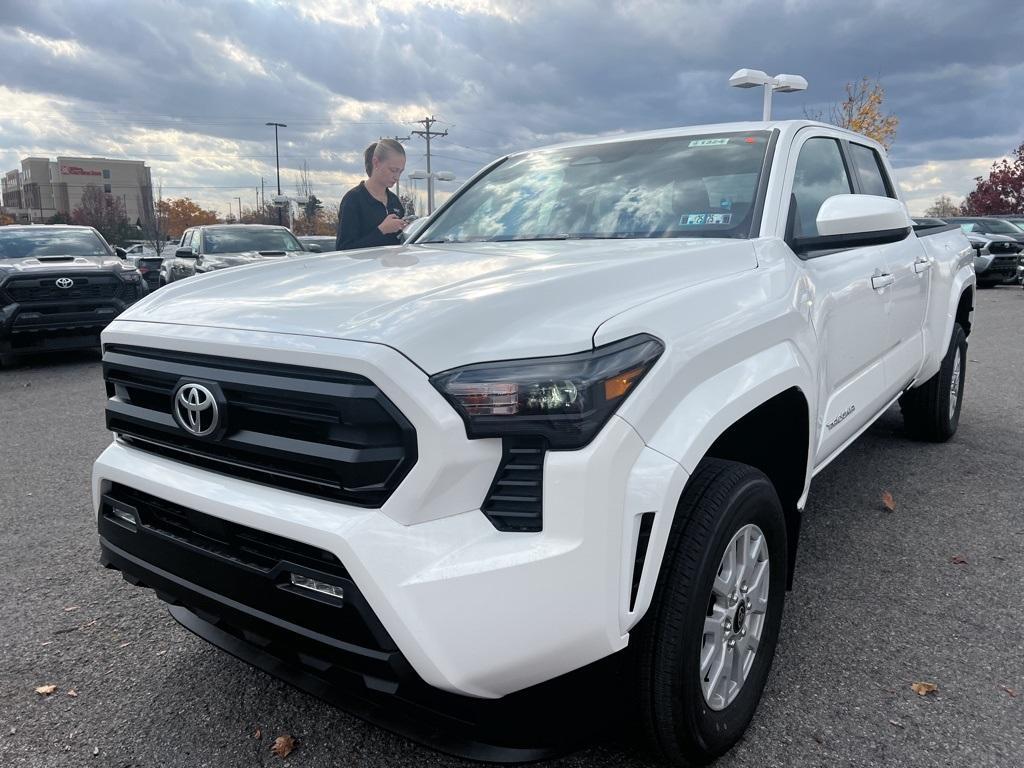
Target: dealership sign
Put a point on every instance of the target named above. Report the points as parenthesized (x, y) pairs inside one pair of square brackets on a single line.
[(74, 170)]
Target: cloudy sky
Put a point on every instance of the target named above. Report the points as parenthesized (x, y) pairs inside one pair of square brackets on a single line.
[(189, 86)]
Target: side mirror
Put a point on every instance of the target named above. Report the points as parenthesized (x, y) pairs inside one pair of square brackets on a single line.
[(185, 253), (314, 248), (120, 252), (855, 221), (856, 214), (413, 229)]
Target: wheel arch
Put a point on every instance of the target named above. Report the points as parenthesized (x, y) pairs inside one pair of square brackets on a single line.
[(745, 408)]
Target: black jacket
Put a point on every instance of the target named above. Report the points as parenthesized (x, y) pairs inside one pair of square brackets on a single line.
[(359, 216)]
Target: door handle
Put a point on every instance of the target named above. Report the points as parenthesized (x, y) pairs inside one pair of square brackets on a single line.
[(882, 281), (922, 265)]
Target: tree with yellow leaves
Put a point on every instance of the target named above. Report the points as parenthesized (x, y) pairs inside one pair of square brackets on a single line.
[(181, 213), (861, 111)]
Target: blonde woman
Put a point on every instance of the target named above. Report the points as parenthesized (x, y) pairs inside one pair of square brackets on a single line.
[(371, 214)]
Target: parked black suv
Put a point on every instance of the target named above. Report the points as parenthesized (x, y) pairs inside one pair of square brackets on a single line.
[(59, 287)]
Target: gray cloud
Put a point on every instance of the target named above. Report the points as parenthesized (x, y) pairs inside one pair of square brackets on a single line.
[(190, 87)]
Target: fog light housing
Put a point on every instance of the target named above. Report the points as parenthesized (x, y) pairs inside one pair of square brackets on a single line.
[(320, 587)]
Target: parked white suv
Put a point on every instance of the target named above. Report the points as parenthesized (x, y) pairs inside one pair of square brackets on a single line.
[(447, 484)]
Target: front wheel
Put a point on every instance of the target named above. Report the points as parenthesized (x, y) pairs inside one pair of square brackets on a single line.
[(932, 411), (703, 651)]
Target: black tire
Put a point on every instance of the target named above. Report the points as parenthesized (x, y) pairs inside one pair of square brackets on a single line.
[(675, 719), (926, 410)]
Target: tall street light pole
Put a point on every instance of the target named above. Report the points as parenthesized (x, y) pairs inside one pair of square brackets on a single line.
[(751, 78), (277, 157)]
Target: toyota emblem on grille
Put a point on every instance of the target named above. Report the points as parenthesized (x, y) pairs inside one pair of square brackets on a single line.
[(64, 282), (195, 409)]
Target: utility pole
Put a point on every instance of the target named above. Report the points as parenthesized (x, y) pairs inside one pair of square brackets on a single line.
[(239, 209), (428, 134), (277, 156), (263, 201), (258, 200)]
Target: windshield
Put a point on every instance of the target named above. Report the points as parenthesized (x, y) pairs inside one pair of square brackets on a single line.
[(238, 240), (684, 186), (45, 241)]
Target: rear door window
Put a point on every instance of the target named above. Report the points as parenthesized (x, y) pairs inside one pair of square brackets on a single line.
[(870, 173)]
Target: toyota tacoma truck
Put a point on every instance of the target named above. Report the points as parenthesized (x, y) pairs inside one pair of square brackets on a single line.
[(59, 287), (547, 459)]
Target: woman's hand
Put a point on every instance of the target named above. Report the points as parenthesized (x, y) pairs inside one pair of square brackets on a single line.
[(391, 224)]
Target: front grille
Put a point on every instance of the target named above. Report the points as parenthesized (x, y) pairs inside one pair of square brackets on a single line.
[(514, 502), (1003, 247), (23, 289), (325, 433)]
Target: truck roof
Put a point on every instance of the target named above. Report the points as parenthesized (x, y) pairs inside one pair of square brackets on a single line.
[(690, 130)]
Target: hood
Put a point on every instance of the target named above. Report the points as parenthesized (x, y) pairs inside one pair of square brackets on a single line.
[(450, 304), (981, 237), (221, 260), (69, 264)]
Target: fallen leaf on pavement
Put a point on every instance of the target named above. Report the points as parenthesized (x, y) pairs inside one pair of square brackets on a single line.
[(923, 689), (73, 693), (897, 723), (95, 751), (958, 560), (283, 746), (888, 502), (1011, 691), (71, 608), (258, 734), (46, 690)]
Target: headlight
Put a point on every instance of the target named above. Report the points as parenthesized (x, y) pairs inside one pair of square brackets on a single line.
[(564, 399), (130, 276)]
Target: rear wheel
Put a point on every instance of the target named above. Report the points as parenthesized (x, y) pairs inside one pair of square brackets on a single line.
[(703, 651), (932, 411)]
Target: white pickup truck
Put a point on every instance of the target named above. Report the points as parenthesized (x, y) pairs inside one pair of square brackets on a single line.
[(561, 437)]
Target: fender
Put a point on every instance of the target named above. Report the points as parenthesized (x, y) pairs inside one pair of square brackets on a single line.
[(683, 438)]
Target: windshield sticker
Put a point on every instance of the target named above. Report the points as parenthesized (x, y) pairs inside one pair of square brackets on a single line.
[(708, 142), (726, 203), (703, 219)]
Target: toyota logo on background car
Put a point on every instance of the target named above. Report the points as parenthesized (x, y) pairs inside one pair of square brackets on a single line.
[(196, 409), (65, 282)]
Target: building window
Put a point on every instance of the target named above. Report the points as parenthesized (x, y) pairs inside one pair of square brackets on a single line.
[(106, 174), (106, 188)]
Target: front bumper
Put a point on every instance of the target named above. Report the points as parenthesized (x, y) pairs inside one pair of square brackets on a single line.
[(473, 611), (37, 326)]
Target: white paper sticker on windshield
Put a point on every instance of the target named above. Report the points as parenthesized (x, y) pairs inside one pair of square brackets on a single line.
[(708, 142), (703, 219)]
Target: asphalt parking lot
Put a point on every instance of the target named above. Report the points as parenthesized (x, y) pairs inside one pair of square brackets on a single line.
[(932, 591)]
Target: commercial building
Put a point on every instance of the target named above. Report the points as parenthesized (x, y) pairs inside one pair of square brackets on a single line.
[(44, 188)]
